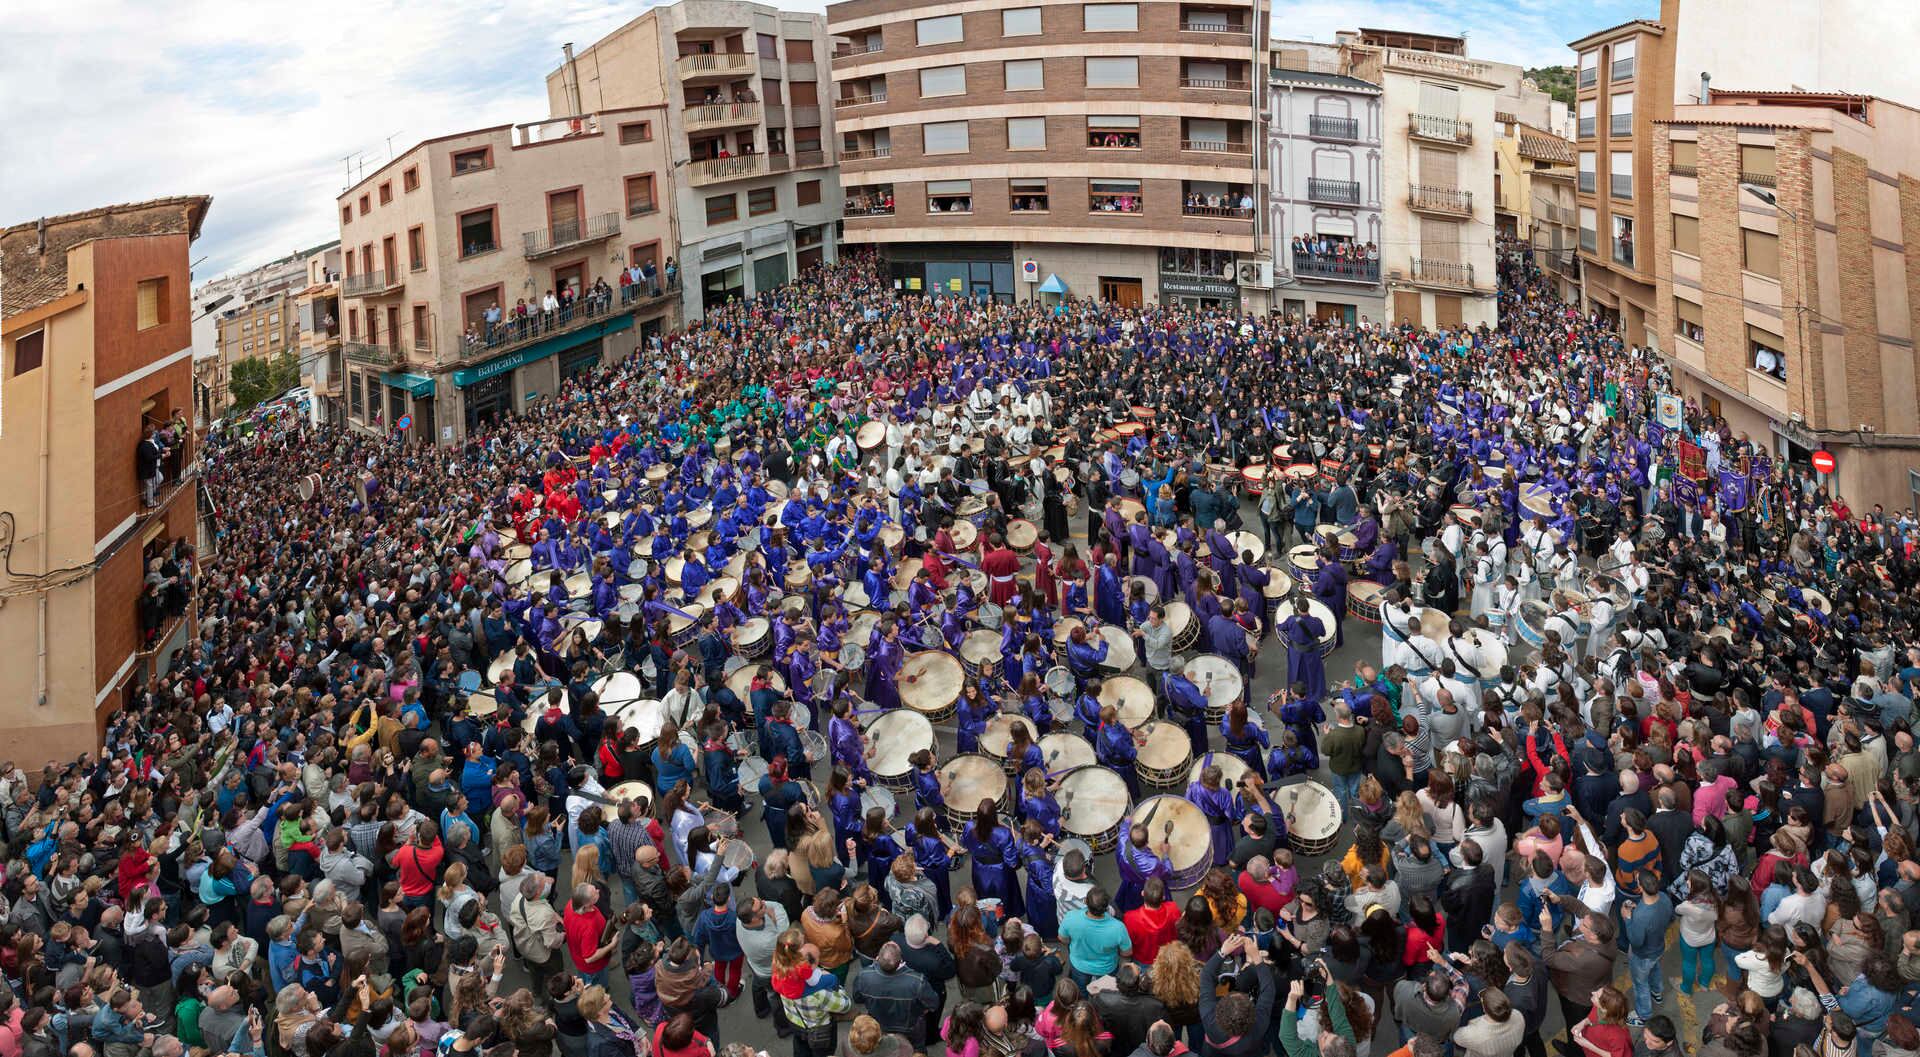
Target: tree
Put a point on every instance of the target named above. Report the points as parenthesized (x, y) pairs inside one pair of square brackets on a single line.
[(1556, 81), (259, 378)]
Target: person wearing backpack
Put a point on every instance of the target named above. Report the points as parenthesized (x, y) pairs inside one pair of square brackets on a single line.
[(537, 931)]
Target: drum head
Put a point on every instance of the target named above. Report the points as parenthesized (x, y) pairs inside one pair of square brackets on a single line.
[(1063, 752), (893, 737), (980, 647), (1093, 800), (1063, 629), (1177, 822), (1166, 748), (1068, 844), (1060, 709), (1059, 682), (1312, 812), (815, 744), (636, 791), (721, 823), (1121, 653), (1130, 697), (973, 779), (752, 769), (739, 854), (930, 681), (618, 689), (1217, 677), (1232, 768), (998, 737), (878, 796)]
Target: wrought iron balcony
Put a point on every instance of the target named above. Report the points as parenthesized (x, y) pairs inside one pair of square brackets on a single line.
[(565, 235)]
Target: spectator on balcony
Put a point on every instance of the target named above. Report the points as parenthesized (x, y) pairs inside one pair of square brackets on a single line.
[(650, 275), (520, 313), (146, 464), (673, 268), (493, 321), (626, 284), (549, 310)]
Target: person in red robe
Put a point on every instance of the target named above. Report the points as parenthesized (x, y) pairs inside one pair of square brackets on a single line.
[(1001, 566), (935, 568), (1043, 570)]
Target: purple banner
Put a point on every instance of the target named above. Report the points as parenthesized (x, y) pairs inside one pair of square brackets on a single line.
[(1762, 468), (1733, 491), (1656, 435), (1685, 492)]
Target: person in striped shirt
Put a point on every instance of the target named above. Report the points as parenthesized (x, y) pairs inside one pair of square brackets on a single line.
[(1639, 849)]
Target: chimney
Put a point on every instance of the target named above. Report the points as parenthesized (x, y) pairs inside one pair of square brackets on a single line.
[(1706, 93), (40, 232)]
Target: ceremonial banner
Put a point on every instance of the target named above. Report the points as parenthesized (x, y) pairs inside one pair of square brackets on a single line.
[(1656, 435), (1761, 468), (1667, 410), (1733, 490), (1693, 461), (1686, 493)]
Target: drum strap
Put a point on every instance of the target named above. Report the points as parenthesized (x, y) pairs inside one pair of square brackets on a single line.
[(1418, 652), (1454, 649)]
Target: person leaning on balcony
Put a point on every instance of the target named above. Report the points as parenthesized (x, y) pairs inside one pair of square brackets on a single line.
[(147, 464)]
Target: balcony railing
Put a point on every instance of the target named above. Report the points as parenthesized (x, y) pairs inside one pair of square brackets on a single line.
[(1227, 212), (1621, 70), (1619, 124), (1589, 77), (1451, 201), (805, 115), (720, 115), (484, 342), (849, 101), (368, 284), (568, 234), (1443, 273), (863, 48), (1333, 129), (1203, 25), (371, 354), (866, 153), (1215, 146), (715, 170), (1333, 192), (642, 207), (1348, 270), (1758, 179), (1589, 240), (1620, 185), (869, 209), (1685, 170), (809, 159), (1623, 252), (1588, 181), (1214, 84), (1440, 129), (724, 63), (1589, 126), (1438, 64)]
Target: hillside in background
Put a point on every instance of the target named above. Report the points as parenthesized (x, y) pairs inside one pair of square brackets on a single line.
[(1556, 81)]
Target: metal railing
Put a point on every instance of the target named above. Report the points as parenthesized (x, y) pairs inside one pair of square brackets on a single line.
[(855, 209), (854, 99), (1757, 179), (1337, 192), (369, 353), (1620, 186), (864, 48), (510, 333), (1228, 212), (722, 62), (1621, 70), (809, 159), (1623, 251), (1217, 84), (568, 233), (1450, 200), (1338, 129), (1202, 25), (708, 115), (1443, 273), (1215, 146), (866, 153), (642, 207), (367, 283), (1587, 183), (1440, 129), (1589, 240), (1589, 126), (1619, 124), (1348, 270), (714, 170), (475, 249), (1589, 77)]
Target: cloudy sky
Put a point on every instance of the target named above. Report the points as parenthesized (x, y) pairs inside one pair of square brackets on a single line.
[(258, 104)]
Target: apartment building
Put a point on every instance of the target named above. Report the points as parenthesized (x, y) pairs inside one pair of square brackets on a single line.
[(1437, 249), (736, 89), (1624, 84), (97, 351), (1324, 185), (1533, 189), (1788, 222), (317, 306), (258, 328), (217, 300), (1086, 149), (443, 245)]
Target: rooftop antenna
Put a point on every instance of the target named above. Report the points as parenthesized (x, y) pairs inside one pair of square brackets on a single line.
[(348, 160), (390, 136)]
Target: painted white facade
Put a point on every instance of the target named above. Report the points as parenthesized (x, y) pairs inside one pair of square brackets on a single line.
[(1858, 46)]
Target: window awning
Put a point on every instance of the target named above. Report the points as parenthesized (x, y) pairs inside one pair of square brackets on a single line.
[(418, 384), (1053, 285)]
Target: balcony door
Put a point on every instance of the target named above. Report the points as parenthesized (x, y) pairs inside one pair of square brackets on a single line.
[(563, 216), (574, 275)]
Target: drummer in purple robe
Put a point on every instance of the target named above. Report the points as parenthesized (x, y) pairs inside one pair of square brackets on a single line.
[(1137, 862), (1300, 713), (1109, 593), (970, 718), (1140, 539), (1227, 638), (1043, 911), (1216, 803), (883, 666), (995, 858), (1116, 748), (1220, 551), (1187, 705), (846, 744), (1162, 563), (1380, 562), (1253, 590), (1330, 587), (1037, 803), (1305, 667), (931, 853)]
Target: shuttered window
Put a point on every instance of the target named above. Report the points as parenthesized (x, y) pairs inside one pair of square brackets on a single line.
[(1026, 133), (1686, 234), (944, 137)]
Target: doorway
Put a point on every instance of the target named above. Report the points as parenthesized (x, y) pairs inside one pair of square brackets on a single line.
[(1406, 307), (1120, 291), (574, 275), (1333, 312)]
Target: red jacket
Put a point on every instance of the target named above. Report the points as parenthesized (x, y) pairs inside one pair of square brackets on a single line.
[(419, 867)]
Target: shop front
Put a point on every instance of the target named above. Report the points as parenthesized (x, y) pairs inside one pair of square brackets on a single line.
[(491, 390), (1198, 292)]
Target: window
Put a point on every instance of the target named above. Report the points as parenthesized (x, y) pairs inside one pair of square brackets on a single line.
[(353, 394), (769, 46), (807, 193), (1769, 352), (1623, 239), (1114, 196), (410, 180), (943, 30), (1587, 161), (474, 160), (799, 50), (1620, 172), (722, 208), (386, 192), (805, 93), (770, 90), (1114, 131), (1622, 68), (806, 138), (640, 195), (949, 196), (1113, 73), (1026, 133), (366, 203), (1686, 234), (1620, 114), (1686, 157), (1589, 229), (1020, 22), (29, 351), (150, 303), (636, 132), (943, 137), (943, 80), (477, 233), (1589, 111), (761, 200), (1756, 165), (1112, 18), (1026, 195), (1589, 68), (346, 215), (1760, 252), (274, 319), (1025, 75), (1689, 321)]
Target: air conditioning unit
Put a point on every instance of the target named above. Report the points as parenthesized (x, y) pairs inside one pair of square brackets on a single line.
[(1257, 274)]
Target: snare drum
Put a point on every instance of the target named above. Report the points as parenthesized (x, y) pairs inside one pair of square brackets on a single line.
[(1186, 630), (1254, 477), (1059, 682), (1219, 679), (1232, 769), (972, 779), (1131, 698), (878, 797), (1093, 803), (1182, 827), (1063, 752), (997, 739), (1305, 561), (1312, 813), (1302, 472), (979, 651), (1022, 535), (1363, 600), (930, 684), (892, 739), (1121, 653), (1163, 761), (753, 638)]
